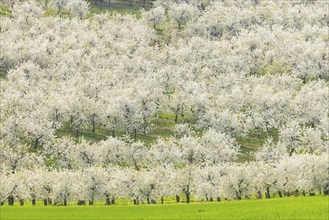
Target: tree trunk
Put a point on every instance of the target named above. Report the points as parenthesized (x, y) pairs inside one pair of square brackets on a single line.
[(113, 201), (202, 6), (280, 194), (11, 200), (312, 192), (258, 135), (91, 202), (326, 190), (259, 195), (148, 200), (267, 194), (177, 198), (176, 118), (211, 199), (296, 192), (56, 119), (33, 201), (291, 152), (71, 122), (50, 202), (161, 199), (107, 201), (188, 197), (21, 202), (36, 143), (93, 122), (218, 199), (94, 127), (303, 193), (45, 202), (81, 202), (65, 202)]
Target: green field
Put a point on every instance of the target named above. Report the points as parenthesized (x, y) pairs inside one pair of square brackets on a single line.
[(276, 208)]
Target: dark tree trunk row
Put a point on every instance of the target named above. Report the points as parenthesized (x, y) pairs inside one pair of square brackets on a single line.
[(110, 201)]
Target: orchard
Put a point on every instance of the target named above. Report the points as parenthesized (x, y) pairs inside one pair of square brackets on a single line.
[(217, 72)]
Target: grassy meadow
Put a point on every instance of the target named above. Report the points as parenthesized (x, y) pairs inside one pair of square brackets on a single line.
[(276, 208)]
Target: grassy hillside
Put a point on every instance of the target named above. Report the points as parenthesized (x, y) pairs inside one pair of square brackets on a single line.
[(2, 73), (164, 127)]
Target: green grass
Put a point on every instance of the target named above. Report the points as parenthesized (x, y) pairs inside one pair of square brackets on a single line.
[(98, 10), (53, 13), (277, 208), (3, 72), (252, 142), (4, 11), (121, 7)]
